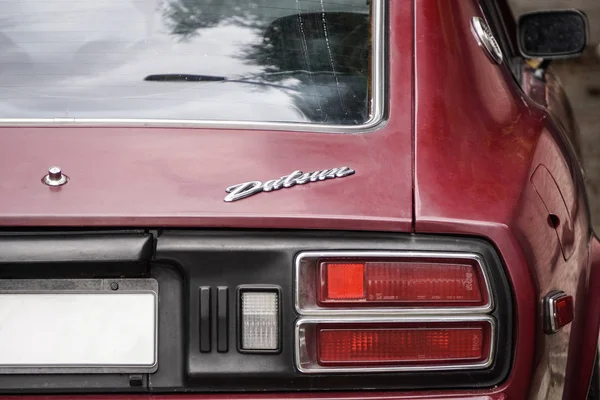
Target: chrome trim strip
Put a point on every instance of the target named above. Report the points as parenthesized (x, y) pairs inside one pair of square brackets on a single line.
[(306, 364), (309, 306), (486, 40), (377, 103)]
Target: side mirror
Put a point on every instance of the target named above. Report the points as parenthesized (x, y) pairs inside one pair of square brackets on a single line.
[(552, 34)]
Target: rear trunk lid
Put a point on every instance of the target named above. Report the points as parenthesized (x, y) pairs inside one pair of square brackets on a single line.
[(173, 173), (178, 177)]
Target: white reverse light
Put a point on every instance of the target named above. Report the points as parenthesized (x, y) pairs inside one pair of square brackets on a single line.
[(260, 320)]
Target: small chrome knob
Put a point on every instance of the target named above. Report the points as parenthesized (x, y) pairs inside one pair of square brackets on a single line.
[(55, 177)]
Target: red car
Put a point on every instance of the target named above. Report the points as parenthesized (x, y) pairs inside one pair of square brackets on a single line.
[(333, 199)]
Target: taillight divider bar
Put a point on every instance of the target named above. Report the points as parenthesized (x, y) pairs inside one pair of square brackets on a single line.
[(307, 365), (313, 309)]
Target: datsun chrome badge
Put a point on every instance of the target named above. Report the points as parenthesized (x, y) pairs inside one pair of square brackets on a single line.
[(243, 190)]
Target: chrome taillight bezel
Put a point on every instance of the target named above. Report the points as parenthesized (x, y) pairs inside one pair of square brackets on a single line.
[(306, 358), (305, 292), (311, 314)]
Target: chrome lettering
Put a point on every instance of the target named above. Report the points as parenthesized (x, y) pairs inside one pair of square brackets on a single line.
[(302, 179), (243, 190), (279, 183), (328, 174), (315, 176), (344, 171), (292, 179), (269, 185)]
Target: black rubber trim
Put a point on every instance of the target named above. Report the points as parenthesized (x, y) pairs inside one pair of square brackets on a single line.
[(223, 319), (122, 247), (205, 346), (185, 261), (171, 331), (263, 258)]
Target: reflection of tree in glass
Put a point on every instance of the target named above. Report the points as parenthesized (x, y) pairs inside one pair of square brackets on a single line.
[(327, 55), (336, 42), (186, 17)]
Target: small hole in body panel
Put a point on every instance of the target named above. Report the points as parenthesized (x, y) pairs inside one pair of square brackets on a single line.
[(553, 221)]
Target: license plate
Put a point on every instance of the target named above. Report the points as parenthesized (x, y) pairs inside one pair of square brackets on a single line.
[(92, 326)]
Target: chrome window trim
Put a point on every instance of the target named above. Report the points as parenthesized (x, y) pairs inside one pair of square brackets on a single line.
[(305, 363), (311, 308), (377, 103)]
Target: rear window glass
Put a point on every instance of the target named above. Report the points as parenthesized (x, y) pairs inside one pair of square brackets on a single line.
[(286, 61)]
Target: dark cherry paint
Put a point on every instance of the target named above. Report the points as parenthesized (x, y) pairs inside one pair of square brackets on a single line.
[(177, 177), (477, 139)]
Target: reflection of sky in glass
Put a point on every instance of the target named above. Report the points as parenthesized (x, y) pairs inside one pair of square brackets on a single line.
[(88, 59)]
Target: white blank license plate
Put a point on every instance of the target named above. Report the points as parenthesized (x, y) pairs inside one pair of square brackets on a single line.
[(99, 330)]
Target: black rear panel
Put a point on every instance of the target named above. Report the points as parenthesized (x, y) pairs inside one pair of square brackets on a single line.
[(217, 263)]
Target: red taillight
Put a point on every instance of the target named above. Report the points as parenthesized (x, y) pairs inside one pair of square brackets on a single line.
[(345, 281), (564, 311), (403, 344), (383, 311), (558, 311), (396, 283)]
